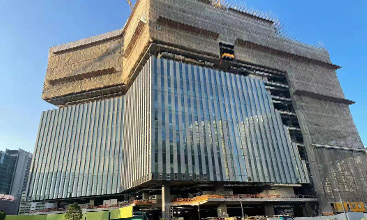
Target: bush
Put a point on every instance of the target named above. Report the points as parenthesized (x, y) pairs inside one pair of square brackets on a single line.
[(74, 212), (2, 215)]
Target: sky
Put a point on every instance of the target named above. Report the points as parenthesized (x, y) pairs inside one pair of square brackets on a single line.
[(29, 28)]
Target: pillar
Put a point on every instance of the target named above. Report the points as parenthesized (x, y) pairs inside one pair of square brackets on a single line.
[(308, 210), (269, 210), (91, 202), (222, 210), (166, 197), (145, 196), (219, 189)]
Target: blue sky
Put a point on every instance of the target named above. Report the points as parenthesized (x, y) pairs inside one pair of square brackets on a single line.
[(29, 28)]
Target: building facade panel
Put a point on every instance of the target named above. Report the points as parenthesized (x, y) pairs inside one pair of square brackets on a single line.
[(136, 144), (176, 122), (249, 142), (76, 151)]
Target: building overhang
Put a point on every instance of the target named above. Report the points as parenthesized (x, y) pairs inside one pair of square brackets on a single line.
[(323, 97), (286, 54), (333, 147)]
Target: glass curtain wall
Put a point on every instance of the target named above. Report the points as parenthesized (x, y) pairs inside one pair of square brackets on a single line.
[(176, 122), (217, 126), (78, 151)]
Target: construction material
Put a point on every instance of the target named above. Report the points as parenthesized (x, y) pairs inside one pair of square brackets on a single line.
[(348, 207)]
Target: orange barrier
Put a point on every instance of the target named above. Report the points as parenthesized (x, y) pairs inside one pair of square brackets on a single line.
[(239, 196), (198, 198)]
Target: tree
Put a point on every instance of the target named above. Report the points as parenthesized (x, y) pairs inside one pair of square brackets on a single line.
[(74, 212), (2, 215)]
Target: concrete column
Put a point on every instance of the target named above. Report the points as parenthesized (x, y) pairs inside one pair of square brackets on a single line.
[(91, 202), (219, 189), (145, 195), (269, 210), (166, 201), (222, 210), (308, 210)]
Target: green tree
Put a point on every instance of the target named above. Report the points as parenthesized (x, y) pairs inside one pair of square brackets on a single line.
[(74, 212), (2, 215)]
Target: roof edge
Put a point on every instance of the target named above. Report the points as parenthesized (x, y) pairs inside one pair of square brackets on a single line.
[(86, 41), (323, 97)]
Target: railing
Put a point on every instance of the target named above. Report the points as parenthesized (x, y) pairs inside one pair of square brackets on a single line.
[(178, 200), (47, 210), (238, 196), (82, 207)]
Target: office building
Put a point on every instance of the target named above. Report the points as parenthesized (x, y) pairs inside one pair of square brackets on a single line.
[(14, 173), (194, 103)]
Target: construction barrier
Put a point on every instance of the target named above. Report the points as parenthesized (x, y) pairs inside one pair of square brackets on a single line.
[(349, 207), (240, 196), (26, 217), (125, 212), (98, 215), (198, 198)]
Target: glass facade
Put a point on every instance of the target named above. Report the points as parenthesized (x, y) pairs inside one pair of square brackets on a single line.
[(8, 162), (176, 122), (78, 151), (14, 171), (217, 126), (136, 148)]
